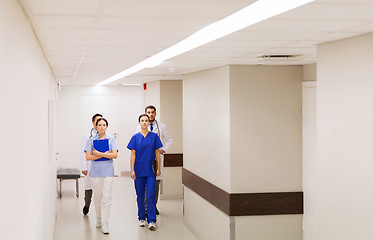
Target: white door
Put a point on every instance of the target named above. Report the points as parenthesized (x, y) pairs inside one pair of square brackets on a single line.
[(109, 107)]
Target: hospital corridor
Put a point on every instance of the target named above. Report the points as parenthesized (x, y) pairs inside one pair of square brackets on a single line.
[(186, 119)]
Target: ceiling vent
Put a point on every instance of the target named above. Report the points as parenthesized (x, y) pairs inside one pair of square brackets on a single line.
[(277, 57)]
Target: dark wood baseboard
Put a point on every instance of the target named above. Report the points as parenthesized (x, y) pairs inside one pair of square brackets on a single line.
[(216, 196), (245, 204), (272, 203), (173, 160)]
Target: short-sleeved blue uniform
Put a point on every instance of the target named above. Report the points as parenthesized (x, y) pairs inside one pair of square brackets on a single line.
[(101, 168), (145, 152), (145, 178)]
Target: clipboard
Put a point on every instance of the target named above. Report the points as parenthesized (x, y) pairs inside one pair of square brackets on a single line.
[(101, 145)]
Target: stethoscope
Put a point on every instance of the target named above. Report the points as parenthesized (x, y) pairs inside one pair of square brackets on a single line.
[(91, 135), (159, 130)]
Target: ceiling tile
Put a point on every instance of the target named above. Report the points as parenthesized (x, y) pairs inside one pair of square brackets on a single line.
[(87, 41)]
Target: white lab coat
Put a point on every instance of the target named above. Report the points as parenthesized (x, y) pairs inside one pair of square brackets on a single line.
[(84, 164), (165, 136)]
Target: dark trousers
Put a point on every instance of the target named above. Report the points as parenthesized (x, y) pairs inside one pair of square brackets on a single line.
[(88, 197), (157, 190)]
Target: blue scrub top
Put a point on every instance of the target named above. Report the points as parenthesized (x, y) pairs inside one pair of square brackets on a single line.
[(145, 152), (101, 168)]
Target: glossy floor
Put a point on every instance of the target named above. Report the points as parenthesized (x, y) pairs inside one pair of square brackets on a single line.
[(72, 224)]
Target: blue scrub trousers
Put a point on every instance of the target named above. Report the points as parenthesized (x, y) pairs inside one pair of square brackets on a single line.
[(140, 184)]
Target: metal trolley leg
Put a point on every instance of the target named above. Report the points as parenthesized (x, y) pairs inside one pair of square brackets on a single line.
[(77, 187), (60, 195)]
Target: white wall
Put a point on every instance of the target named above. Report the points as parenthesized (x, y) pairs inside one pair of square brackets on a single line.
[(28, 178), (204, 219), (309, 158), (309, 72), (206, 140), (265, 128), (276, 227), (166, 96), (242, 133), (206, 144), (344, 139), (266, 143), (171, 102), (69, 137)]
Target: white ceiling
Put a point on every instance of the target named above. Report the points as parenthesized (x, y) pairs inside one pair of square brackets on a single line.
[(87, 41)]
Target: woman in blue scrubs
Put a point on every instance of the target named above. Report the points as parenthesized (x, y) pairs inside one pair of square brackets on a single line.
[(144, 147)]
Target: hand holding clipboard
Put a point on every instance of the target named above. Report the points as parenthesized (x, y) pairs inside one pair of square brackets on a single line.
[(101, 145)]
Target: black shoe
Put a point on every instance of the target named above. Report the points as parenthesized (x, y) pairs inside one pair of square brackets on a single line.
[(156, 211), (85, 210)]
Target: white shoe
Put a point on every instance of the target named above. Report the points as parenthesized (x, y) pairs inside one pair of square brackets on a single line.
[(98, 224), (142, 223), (152, 226), (105, 230)]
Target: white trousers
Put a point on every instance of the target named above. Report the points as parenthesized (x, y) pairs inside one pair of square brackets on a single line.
[(101, 187)]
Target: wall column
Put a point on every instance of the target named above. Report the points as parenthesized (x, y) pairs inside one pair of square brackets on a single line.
[(242, 152), (343, 201), (166, 96)]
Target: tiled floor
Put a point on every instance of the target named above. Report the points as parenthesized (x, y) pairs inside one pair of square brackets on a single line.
[(72, 224)]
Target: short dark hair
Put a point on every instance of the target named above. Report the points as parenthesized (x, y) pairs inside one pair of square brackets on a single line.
[(151, 107), (96, 115), (104, 119), (143, 115)]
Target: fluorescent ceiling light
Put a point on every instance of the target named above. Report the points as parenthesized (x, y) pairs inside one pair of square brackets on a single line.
[(131, 84), (254, 13)]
